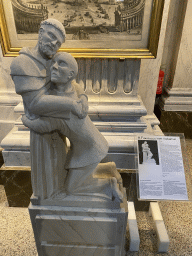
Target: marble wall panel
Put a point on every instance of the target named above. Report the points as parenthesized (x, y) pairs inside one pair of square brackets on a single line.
[(177, 122), (183, 72), (68, 250), (6, 61), (149, 71), (17, 186), (173, 35), (77, 229), (177, 59)]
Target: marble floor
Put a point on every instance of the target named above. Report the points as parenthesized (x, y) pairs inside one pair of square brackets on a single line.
[(16, 235)]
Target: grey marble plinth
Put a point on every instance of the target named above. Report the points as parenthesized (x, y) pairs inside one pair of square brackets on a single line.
[(79, 230)]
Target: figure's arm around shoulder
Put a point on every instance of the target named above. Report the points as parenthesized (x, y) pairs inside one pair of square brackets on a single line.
[(82, 98), (79, 90)]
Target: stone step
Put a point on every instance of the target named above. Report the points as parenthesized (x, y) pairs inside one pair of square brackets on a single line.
[(122, 144), (102, 126), (105, 111)]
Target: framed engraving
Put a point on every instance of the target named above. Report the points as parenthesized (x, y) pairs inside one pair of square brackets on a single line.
[(94, 28)]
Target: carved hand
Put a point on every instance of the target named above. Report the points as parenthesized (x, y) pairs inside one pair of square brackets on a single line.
[(85, 107), (80, 108), (39, 125)]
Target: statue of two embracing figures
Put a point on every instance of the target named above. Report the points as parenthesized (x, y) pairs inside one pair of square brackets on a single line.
[(56, 108)]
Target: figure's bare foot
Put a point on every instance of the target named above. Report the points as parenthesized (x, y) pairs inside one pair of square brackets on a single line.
[(116, 191), (106, 170), (109, 170), (116, 174)]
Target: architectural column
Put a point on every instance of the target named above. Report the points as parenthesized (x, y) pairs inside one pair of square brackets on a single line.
[(137, 20), (175, 104), (177, 59), (129, 27), (150, 68)]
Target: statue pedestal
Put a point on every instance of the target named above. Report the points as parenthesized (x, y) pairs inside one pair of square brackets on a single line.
[(81, 226)]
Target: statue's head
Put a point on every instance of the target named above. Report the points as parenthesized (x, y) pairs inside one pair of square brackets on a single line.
[(51, 36), (64, 68)]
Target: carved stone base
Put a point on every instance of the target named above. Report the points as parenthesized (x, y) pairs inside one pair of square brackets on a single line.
[(79, 230)]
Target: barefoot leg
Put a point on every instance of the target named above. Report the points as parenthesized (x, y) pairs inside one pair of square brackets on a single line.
[(116, 191)]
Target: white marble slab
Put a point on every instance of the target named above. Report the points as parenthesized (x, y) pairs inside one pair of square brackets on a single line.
[(77, 229), (177, 59), (94, 230), (162, 236), (16, 140), (183, 71), (149, 71), (68, 250), (177, 99), (133, 229), (16, 158)]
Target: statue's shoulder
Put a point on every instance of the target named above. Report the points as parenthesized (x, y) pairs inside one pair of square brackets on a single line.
[(23, 64)]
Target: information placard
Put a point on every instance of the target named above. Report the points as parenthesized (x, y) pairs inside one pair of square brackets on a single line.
[(161, 173)]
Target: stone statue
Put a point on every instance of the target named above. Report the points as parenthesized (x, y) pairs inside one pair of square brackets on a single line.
[(56, 107), (145, 148), (147, 155)]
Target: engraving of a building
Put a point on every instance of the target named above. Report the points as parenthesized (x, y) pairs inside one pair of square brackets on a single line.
[(28, 17), (130, 16)]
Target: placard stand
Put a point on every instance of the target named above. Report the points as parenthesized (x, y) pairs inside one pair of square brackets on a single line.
[(133, 228), (162, 236), (154, 210)]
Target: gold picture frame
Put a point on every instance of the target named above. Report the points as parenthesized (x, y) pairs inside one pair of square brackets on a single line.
[(148, 50)]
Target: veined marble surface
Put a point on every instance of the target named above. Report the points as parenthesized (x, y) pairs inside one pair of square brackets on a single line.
[(183, 72), (177, 122), (173, 35), (177, 59), (86, 230), (149, 71)]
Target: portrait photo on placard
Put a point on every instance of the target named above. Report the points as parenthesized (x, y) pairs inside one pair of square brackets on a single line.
[(148, 152)]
